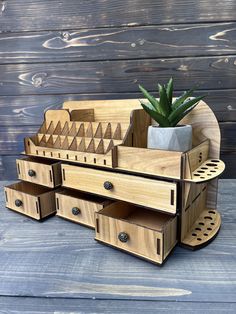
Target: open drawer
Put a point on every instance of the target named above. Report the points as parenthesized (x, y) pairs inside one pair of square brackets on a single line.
[(39, 171), (79, 207), (142, 232), (30, 199)]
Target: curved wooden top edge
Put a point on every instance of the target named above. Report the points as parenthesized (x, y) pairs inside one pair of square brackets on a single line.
[(57, 115), (205, 126)]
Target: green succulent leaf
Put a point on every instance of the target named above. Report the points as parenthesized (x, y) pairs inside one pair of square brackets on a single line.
[(182, 108), (182, 99), (153, 101), (163, 111), (181, 116), (169, 90), (164, 101), (159, 118)]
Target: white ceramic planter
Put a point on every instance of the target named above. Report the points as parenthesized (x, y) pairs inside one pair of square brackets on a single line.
[(176, 139)]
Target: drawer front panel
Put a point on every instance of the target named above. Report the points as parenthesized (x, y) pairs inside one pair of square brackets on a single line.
[(146, 192), (23, 203), (77, 210), (39, 173), (141, 241)]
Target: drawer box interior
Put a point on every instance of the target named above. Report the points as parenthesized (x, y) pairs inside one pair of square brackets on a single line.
[(79, 207), (146, 233), (40, 171), (30, 199)]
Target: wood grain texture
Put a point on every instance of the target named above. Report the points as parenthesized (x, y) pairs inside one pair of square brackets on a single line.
[(36, 201), (143, 191), (12, 137), (117, 76), (106, 13), (47, 173), (66, 200), (166, 164), (28, 110), (29, 305), (46, 260), (150, 235), (119, 43)]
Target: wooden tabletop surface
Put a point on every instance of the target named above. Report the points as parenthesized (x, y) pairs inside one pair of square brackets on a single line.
[(55, 266)]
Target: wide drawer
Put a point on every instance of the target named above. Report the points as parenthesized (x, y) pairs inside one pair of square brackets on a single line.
[(78, 207), (30, 199), (142, 232), (146, 192), (39, 171)]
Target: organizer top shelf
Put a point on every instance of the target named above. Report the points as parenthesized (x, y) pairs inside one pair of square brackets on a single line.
[(113, 134)]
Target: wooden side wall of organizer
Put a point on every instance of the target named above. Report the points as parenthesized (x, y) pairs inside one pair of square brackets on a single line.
[(199, 218)]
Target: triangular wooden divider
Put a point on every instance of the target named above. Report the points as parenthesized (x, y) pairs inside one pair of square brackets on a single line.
[(89, 130), (98, 132), (73, 131), (70, 140), (65, 143), (81, 132), (109, 146), (57, 130), (51, 128), (43, 141), (81, 146), (39, 137), (100, 147), (117, 133), (73, 145), (50, 142), (91, 147), (107, 133), (65, 129), (57, 143)]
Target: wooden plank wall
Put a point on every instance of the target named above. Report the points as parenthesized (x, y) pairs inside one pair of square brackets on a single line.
[(51, 51)]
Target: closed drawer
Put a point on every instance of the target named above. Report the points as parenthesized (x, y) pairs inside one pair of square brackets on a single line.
[(39, 171), (79, 207), (146, 192), (142, 232), (29, 199)]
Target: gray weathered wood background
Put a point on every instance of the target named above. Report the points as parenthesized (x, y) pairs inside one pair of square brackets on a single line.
[(51, 51)]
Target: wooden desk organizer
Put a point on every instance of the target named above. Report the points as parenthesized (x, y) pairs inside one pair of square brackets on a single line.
[(101, 146)]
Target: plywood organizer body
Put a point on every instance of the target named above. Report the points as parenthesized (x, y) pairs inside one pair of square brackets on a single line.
[(89, 164)]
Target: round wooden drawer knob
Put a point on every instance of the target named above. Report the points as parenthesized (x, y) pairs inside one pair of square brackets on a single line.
[(31, 173), (18, 203), (123, 237), (75, 211), (108, 185)]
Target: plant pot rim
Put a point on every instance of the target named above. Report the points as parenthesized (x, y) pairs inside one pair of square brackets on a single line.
[(171, 127)]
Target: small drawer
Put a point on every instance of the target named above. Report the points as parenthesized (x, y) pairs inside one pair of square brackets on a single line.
[(78, 207), (30, 199), (39, 171), (151, 193), (142, 232)]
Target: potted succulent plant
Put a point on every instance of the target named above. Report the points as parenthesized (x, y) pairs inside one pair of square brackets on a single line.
[(167, 112)]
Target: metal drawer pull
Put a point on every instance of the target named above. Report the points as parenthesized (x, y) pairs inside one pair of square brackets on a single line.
[(108, 185), (31, 173), (75, 211), (18, 203), (123, 237)]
